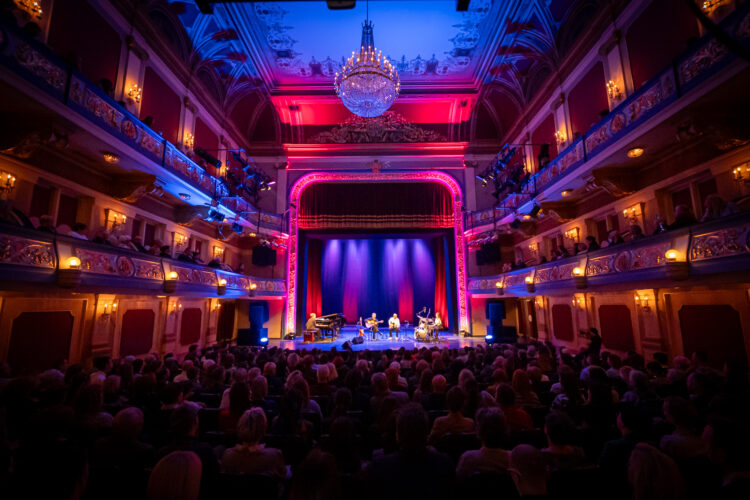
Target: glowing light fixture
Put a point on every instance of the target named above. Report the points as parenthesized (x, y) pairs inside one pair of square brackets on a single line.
[(135, 93), (7, 182), (671, 255), (566, 192), (635, 152), (368, 83), (110, 157), (577, 271), (613, 91), (73, 263), (172, 275), (189, 140), (561, 137)]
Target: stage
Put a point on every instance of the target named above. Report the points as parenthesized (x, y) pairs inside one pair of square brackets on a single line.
[(406, 340)]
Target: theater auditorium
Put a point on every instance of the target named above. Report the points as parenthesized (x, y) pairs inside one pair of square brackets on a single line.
[(354, 249)]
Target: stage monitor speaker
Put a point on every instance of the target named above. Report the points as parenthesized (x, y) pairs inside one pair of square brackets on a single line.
[(288, 336), (358, 340), (264, 256), (251, 336)]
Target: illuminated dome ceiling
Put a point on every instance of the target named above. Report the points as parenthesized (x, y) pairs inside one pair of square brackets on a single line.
[(445, 58)]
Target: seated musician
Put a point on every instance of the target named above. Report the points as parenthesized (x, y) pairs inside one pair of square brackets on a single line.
[(438, 324), (393, 325), (372, 323), (310, 325)]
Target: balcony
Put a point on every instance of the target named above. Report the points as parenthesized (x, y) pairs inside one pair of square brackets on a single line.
[(30, 258), (703, 253), (36, 65), (707, 57)]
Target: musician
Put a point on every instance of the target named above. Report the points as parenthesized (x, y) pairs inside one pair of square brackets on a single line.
[(438, 324), (393, 325), (310, 325), (372, 323)]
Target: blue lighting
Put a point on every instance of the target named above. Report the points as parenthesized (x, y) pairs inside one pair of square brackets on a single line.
[(264, 340), (488, 337)]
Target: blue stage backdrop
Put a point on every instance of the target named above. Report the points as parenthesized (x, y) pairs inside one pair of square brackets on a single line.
[(381, 275)]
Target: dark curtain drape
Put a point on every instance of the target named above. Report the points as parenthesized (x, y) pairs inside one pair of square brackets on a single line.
[(375, 206), (313, 299), (441, 301)]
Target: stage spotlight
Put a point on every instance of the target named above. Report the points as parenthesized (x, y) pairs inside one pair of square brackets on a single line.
[(489, 339), (515, 224), (237, 228), (535, 211), (214, 215), (263, 340)]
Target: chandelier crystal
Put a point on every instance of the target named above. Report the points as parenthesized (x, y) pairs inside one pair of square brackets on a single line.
[(368, 83)]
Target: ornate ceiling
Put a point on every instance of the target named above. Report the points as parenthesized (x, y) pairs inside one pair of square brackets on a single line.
[(291, 50)]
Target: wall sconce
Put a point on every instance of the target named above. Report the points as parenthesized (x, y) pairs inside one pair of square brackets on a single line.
[(578, 301), (180, 240), (114, 219), (561, 137), (170, 283), (529, 280), (613, 91), (534, 247), (189, 140), (7, 182), (573, 235), (32, 7), (741, 174), (633, 214), (642, 302), (579, 275), (70, 276), (217, 305), (251, 289), (108, 310), (677, 270), (176, 307), (499, 287), (218, 253), (221, 289), (135, 93)]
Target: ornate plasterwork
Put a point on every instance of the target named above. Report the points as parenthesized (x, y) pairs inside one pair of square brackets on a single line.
[(390, 127), (279, 34)]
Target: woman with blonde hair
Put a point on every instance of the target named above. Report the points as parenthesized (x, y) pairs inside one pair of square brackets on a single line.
[(653, 475), (177, 476)]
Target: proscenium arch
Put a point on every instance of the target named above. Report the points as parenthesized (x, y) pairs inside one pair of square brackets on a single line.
[(425, 176)]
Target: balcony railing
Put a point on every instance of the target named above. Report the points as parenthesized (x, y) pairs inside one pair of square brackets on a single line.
[(707, 57), (711, 247), (36, 64), (28, 256)]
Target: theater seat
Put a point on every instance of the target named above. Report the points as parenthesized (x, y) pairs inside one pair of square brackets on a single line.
[(479, 485), (586, 482), (294, 448)]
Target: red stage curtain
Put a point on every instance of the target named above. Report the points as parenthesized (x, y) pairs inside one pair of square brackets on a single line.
[(441, 301), (314, 297), (375, 206)]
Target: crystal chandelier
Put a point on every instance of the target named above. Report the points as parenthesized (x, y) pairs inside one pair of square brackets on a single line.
[(368, 83)]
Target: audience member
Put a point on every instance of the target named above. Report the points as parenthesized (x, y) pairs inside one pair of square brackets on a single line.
[(250, 456), (491, 457), (177, 476)]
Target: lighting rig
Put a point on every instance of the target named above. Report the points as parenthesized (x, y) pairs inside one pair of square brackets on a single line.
[(505, 177)]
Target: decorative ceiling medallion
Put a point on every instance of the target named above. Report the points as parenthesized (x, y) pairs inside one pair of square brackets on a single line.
[(388, 127)]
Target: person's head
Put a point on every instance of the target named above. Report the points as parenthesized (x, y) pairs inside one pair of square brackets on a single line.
[(652, 474), (395, 316), (439, 384), (252, 426), (269, 369), (322, 374), (681, 211), (102, 363), (177, 476), (412, 427), (631, 420), (455, 399), (171, 394), (728, 441), (379, 384), (680, 412), (79, 227), (374, 315), (316, 477), (560, 428), (490, 424), (521, 382), (128, 423), (506, 396), (312, 316), (464, 376), (88, 400), (635, 230), (259, 388), (183, 422), (532, 469)]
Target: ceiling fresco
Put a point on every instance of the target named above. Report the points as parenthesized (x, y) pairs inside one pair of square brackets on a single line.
[(423, 40), (291, 50)]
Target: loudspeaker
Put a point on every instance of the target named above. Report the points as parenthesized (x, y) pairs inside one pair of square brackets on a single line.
[(358, 340), (289, 336)]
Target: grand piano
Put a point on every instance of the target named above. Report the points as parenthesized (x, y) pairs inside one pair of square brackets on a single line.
[(330, 324)]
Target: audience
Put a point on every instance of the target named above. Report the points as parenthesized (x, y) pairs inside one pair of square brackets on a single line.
[(362, 430)]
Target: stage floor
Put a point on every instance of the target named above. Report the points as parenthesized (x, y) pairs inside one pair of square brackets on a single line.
[(406, 340)]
